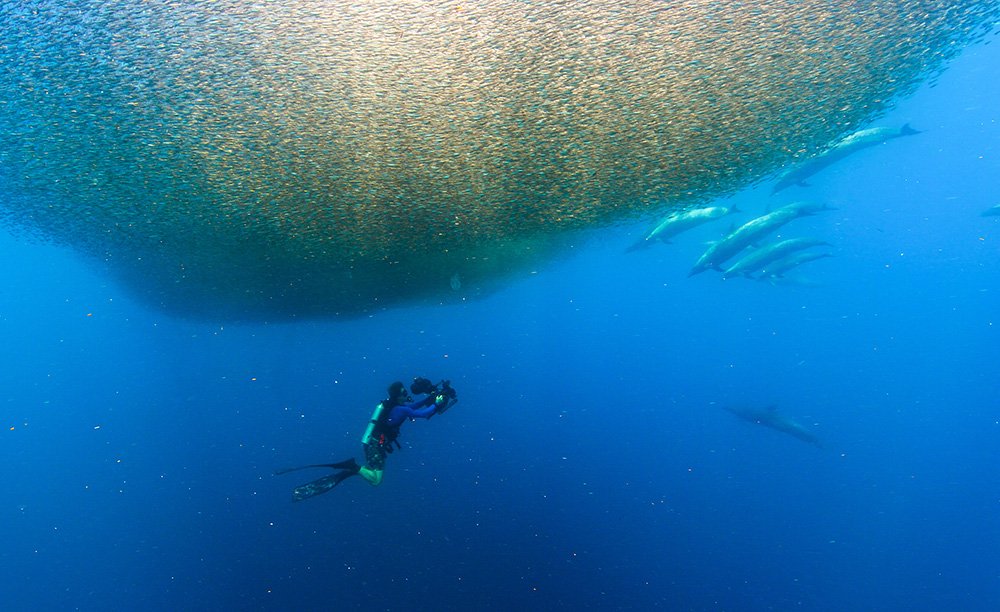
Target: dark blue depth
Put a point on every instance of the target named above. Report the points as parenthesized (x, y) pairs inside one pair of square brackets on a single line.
[(590, 464)]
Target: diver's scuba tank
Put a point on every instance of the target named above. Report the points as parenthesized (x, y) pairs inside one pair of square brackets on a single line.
[(372, 423)]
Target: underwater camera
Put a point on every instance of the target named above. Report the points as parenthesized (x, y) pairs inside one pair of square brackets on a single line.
[(423, 386)]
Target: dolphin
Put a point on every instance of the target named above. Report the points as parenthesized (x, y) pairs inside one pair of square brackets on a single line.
[(750, 232), (770, 417), (680, 221), (861, 139), (992, 211), (756, 260), (778, 268)]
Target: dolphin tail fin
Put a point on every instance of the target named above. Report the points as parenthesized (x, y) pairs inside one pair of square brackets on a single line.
[(638, 246), (906, 130)]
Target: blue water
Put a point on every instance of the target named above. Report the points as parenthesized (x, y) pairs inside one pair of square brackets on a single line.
[(589, 464)]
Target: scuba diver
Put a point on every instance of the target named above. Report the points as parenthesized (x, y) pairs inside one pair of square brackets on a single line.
[(382, 433)]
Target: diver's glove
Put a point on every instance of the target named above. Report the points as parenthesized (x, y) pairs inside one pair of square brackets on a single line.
[(442, 403)]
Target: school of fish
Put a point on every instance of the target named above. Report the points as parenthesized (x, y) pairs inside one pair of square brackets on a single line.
[(238, 160)]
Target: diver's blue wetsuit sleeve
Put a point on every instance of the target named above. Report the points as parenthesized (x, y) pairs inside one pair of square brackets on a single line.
[(419, 409)]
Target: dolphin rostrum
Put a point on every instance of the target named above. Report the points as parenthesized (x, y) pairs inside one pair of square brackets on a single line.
[(861, 139), (681, 221), (992, 211), (752, 231), (770, 417)]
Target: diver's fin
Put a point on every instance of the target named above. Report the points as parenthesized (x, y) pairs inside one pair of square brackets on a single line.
[(347, 469), (343, 465), (322, 485), (305, 467)]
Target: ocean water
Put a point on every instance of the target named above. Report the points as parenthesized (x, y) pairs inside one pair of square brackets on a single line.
[(590, 463)]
